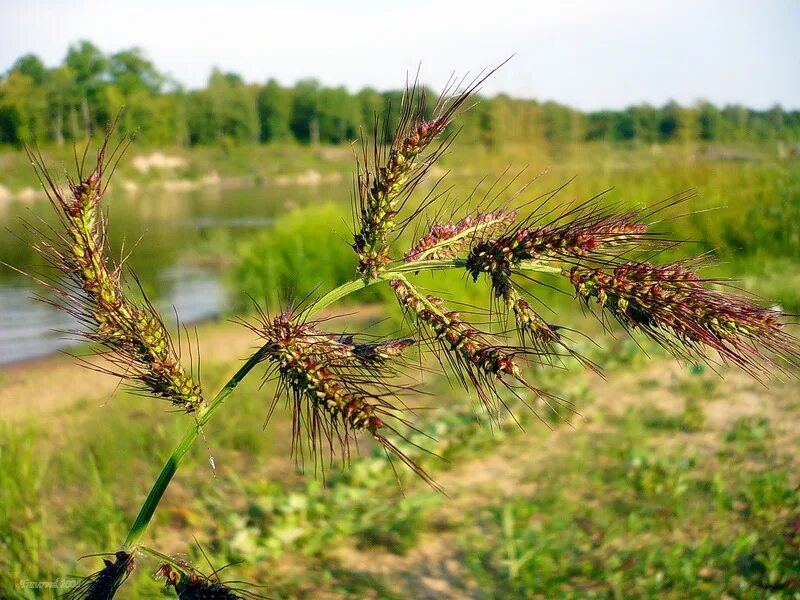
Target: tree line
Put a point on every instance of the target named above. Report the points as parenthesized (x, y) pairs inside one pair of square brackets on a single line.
[(69, 102)]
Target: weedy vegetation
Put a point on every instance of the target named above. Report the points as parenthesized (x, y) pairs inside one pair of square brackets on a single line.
[(341, 387)]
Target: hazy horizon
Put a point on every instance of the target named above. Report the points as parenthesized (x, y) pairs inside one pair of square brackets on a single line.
[(587, 55)]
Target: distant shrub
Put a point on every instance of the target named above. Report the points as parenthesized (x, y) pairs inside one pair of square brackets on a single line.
[(300, 252)]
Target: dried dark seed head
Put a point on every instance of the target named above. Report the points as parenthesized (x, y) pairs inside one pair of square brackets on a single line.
[(189, 584), (104, 584), (195, 588)]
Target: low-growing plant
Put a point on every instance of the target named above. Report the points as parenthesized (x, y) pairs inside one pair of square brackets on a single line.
[(340, 386)]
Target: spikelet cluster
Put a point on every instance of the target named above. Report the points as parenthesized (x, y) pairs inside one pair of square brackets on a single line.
[(671, 304), (336, 387), (586, 233), (310, 365), (571, 241), (446, 240), (387, 178), (138, 347)]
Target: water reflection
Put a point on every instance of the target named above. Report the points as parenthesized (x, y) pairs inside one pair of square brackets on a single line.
[(196, 294), (28, 328), (172, 236)]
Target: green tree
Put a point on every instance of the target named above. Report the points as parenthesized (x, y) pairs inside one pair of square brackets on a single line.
[(371, 105), (90, 68), (26, 90), (306, 111), (710, 123), (560, 123), (88, 89), (392, 101), (275, 112), (775, 124), (132, 72), (624, 126), (137, 84), (645, 122), (339, 115), (202, 125), (224, 112), (23, 106), (737, 120), (677, 123), (32, 66), (61, 99), (600, 125)]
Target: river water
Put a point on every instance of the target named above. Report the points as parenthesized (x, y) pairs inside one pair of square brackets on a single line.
[(180, 244)]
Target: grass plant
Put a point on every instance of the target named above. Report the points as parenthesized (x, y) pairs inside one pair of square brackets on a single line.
[(341, 386)]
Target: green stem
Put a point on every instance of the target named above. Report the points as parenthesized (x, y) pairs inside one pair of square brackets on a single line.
[(358, 284), (539, 267), (460, 263), (165, 559), (203, 416), (171, 466), (430, 265), (340, 292)]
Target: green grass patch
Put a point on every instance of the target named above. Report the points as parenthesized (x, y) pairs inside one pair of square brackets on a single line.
[(627, 515)]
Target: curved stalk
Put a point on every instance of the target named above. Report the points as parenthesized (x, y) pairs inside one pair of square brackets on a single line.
[(460, 263), (340, 292), (430, 265), (171, 466)]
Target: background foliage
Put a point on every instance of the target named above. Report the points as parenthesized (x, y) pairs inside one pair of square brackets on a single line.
[(70, 101)]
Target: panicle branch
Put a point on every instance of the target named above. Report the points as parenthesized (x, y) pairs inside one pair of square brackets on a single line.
[(138, 347), (584, 233), (448, 239), (590, 236)]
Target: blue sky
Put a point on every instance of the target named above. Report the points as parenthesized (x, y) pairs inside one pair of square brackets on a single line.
[(590, 55)]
